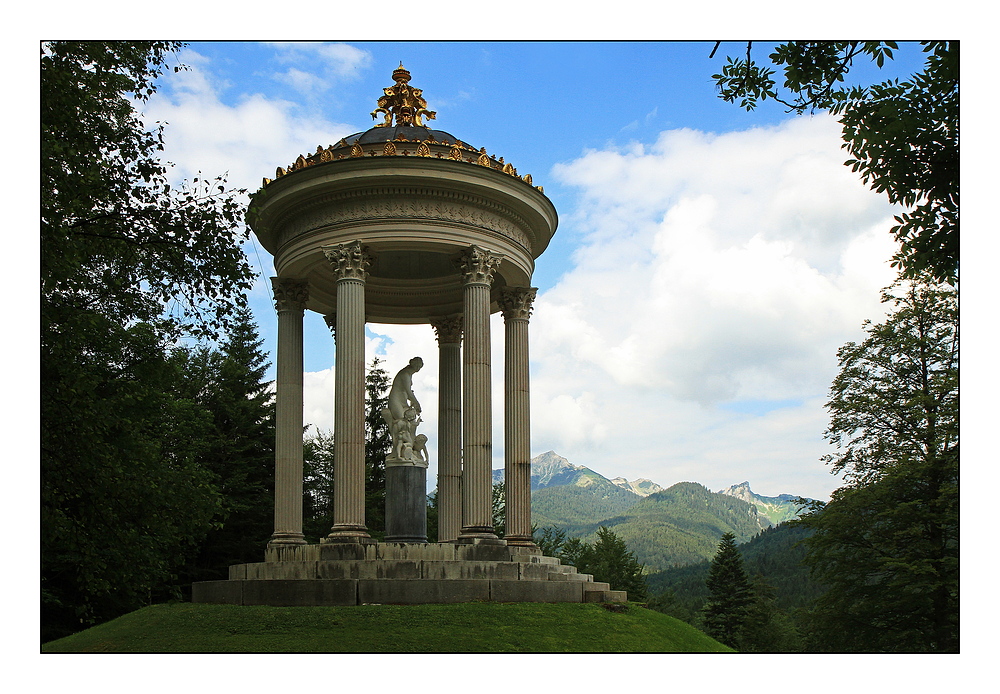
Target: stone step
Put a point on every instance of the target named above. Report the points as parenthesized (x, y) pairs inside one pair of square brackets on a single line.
[(605, 596), (584, 578)]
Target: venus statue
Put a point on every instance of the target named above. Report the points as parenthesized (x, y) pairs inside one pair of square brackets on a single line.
[(403, 416)]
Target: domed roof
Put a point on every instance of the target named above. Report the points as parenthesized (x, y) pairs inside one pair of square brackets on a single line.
[(402, 134), (412, 133)]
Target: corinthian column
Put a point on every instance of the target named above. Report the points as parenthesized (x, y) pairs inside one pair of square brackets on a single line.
[(290, 298), (477, 267), (515, 302), (350, 263), (449, 494)]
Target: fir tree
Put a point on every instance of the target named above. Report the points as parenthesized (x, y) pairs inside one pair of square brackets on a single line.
[(727, 612), (229, 384)]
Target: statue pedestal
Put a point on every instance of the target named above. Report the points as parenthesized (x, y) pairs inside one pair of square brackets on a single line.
[(405, 503)]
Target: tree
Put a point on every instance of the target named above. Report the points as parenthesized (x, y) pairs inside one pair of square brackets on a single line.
[(550, 540), (128, 265), (903, 136), (727, 612), (317, 484), (499, 508), (229, 384), (378, 443), (608, 560), (887, 543)]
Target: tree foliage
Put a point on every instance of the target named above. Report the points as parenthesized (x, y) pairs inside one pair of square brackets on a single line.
[(727, 613), (229, 383), (887, 543), (902, 135), (128, 264), (608, 560)]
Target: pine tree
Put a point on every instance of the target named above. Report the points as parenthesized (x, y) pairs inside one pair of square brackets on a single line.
[(727, 612), (229, 384)]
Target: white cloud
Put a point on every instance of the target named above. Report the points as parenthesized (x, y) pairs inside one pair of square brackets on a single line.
[(248, 139), (326, 63), (714, 269)]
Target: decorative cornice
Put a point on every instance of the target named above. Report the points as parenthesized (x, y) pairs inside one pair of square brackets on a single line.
[(412, 203), (478, 265), (289, 294), (449, 329), (349, 260), (515, 302)]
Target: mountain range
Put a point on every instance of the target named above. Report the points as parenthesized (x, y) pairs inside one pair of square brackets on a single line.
[(664, 527)]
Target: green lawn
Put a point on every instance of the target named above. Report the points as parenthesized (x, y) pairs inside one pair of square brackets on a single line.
[(467, 627)]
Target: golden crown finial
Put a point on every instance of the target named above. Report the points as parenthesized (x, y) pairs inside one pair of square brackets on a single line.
[(402, 102), (401, 74)]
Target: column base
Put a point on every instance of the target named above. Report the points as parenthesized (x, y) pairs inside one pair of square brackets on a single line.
[(357, 534), (285, 539), (520, 541)]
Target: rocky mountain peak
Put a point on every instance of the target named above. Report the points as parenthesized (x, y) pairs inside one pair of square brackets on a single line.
[(641, 486), (740, 491)]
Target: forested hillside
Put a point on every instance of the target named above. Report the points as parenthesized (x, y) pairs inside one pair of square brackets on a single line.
[(682, 525), (775, 555)]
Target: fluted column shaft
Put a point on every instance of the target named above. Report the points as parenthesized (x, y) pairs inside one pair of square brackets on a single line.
[(350, 262), (290, 297), (478, 267), (516, 305), (449, 494)]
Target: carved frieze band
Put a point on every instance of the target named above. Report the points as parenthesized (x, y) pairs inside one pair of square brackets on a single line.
[(515, 302), (425, 205), (350, 260), (478, 265), (449, 330), (289, 294)]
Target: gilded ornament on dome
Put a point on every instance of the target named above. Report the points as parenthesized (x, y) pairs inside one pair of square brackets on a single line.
[(423, 150), (356, 150), (389, 149)]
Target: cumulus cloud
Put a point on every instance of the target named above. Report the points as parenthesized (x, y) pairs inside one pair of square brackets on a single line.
[(248, 138), (713, 270)]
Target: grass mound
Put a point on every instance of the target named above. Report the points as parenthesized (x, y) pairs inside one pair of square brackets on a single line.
[(461, 628)]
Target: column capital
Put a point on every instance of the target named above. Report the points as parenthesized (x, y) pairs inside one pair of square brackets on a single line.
[(478, 265), (289, 294), (350, 260), (515, 302), (448, 329)]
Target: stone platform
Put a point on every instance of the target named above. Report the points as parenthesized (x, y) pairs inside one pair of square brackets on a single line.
[(403, 574)]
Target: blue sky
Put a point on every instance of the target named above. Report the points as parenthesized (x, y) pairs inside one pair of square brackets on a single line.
[(707, 265)]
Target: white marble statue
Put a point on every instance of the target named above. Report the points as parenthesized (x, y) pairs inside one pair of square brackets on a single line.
[(403, 416)]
